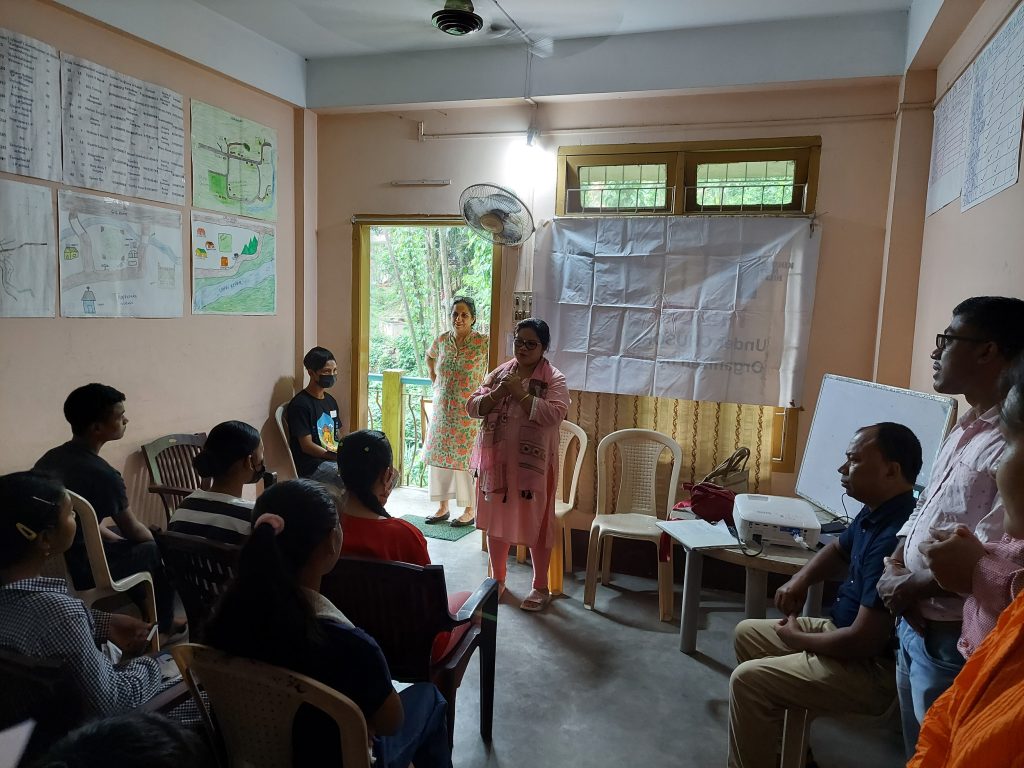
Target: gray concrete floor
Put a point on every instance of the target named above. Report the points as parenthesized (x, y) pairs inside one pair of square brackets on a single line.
[(609, 687)]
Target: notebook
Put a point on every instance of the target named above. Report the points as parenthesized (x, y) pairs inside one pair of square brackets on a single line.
[(699, 534)]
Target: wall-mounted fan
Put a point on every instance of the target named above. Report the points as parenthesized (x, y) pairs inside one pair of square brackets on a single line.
[(496, 213)]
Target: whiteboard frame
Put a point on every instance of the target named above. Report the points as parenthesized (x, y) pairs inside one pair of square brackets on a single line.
[(951, 414)]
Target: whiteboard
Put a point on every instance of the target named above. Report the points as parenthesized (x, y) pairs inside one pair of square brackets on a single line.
[(844, 406)]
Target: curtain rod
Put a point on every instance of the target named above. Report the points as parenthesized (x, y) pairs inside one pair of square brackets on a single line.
[(423, 136)]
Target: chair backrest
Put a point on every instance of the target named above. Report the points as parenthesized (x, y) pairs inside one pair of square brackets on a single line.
[(282, 427), (639, 451), (567, 432), (199, 570), (42, 690), (255, 705), (90, 525), (169, 461), (403, 607)]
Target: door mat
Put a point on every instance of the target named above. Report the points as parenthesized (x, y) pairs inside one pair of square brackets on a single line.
[(441, 531)]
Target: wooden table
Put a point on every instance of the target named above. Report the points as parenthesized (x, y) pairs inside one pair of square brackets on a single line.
[(774, 559)]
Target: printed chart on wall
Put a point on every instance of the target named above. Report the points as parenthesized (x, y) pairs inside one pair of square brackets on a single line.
[(949, 144), (122, 135), (118, 259), (234, 164), (29, 107), (234, 266), (997, 107), (28, 263)]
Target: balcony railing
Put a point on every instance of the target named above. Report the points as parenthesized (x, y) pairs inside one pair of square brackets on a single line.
[(399, 406)]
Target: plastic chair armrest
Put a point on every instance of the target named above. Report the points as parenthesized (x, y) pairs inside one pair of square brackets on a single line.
[(170, 489), (475, 602)]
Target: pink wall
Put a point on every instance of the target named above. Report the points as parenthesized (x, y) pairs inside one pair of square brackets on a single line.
[(180, 375), (359, 155), (977, 252)]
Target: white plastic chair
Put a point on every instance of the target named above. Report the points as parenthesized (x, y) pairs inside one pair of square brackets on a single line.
[(255, 705), (636, 508), (282, 428), (104, 584), (567, 432)]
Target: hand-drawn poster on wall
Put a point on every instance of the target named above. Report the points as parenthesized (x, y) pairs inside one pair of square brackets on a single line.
[(29, 107), (122, 135), (997, 108), (696, 308), (234, 266), (234, 164), (118, 259), (949, 144), (28, 264)]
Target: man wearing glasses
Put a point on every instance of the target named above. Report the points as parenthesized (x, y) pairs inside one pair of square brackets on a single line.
[(957, 526)]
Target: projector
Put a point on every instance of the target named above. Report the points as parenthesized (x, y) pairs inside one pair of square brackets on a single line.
[(775, 520)]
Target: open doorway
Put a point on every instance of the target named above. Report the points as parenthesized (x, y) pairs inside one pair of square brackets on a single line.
[(408, 271)]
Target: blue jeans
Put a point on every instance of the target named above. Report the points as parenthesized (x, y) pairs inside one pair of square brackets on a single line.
[(423, 737), (327, 473), (925, 668)]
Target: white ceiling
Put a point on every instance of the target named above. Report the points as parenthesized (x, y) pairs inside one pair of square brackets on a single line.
[(330, 28)]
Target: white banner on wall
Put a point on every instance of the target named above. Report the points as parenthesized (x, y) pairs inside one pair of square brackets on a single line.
[(695, 308)]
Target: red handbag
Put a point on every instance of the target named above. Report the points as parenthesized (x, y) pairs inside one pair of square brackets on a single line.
[(711, 502)]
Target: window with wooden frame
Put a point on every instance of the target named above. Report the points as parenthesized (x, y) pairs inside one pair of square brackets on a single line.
[(773, 176)]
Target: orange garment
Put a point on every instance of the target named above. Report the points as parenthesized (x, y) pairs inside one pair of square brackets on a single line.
[(979, 720)]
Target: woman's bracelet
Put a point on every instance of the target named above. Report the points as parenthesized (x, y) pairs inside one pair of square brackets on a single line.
[(524, 397)]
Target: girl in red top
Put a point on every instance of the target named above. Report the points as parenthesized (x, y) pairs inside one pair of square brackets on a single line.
[(364, 462)]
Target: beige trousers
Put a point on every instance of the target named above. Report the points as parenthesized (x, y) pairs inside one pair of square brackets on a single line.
[(771, 678)]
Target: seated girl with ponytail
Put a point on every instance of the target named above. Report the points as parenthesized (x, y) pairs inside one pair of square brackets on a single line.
[(232, 457), (364, 463), (274, 612), (39, 618)]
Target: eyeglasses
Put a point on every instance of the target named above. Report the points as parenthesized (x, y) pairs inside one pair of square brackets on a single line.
[(942, 340), (530, 345)]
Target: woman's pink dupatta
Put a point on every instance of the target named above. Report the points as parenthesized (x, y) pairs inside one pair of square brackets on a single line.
[(495, 447)]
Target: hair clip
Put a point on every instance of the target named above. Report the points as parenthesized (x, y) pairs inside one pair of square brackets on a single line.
[(25, 531), (366, 449), (43, 501)]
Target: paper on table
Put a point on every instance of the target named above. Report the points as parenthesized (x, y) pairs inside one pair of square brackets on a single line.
[(699, 534)]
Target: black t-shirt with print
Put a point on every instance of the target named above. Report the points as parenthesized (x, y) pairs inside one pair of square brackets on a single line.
[(306, 415)]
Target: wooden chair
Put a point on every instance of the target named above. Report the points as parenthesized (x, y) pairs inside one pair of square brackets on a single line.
[(199, 570), (255, 705), (171, 474), (636, 508), (404, 607), (282, 428), (104, 584)]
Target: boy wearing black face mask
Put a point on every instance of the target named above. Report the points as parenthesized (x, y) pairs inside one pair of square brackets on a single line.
[(314, 427)]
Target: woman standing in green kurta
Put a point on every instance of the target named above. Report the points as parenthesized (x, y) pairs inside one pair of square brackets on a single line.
[(457, 361)]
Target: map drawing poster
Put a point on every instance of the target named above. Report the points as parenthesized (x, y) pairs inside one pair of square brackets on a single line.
[(29, 107), (122, 135), (28, 255), (234, 164), (118, 259), (234, 266)]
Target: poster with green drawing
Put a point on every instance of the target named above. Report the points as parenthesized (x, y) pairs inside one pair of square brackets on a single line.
[(234, 164), (234, 266)]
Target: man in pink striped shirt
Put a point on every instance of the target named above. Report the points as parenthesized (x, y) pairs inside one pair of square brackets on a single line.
[(957, 526)]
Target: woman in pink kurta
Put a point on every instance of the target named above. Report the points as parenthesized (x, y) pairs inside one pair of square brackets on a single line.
[(522, 402)]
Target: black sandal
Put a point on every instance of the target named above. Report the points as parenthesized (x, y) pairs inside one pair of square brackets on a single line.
[(438, 518)]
